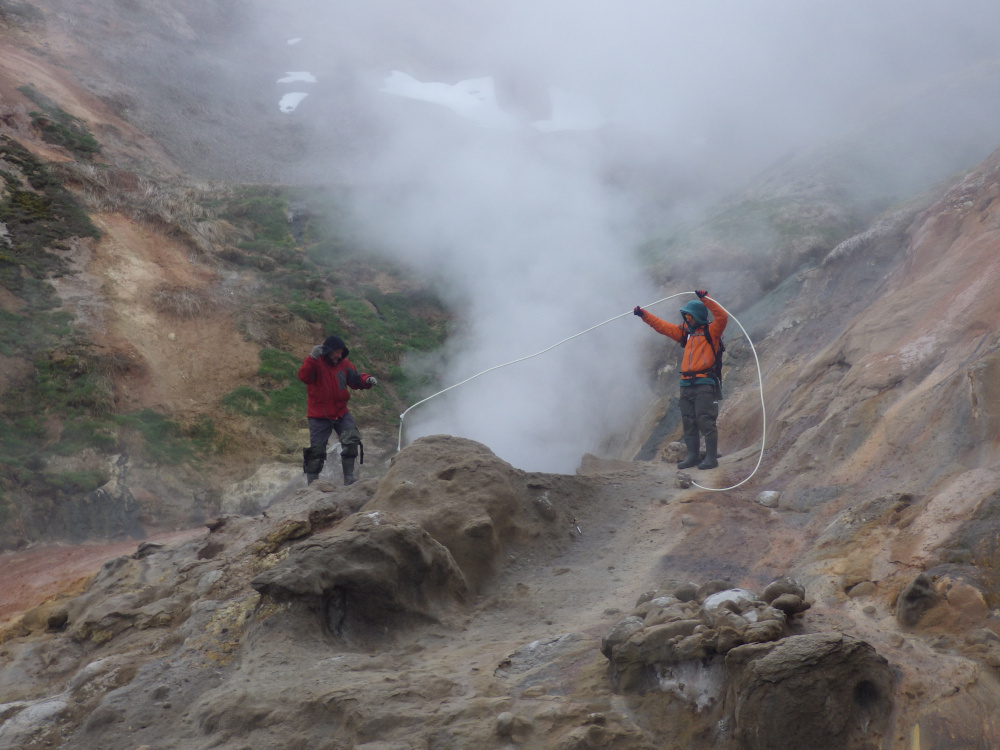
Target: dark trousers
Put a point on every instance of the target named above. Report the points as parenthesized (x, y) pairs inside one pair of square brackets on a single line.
[(699, 411), (320, 431)]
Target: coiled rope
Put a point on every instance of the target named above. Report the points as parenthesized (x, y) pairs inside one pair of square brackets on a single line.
[(760, 383)]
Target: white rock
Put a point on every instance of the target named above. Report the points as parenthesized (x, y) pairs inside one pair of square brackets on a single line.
[(19, 730), (769, 498)]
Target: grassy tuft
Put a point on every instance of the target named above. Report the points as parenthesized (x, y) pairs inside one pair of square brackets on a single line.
[(60, 127), (182, 302), (72, 482)]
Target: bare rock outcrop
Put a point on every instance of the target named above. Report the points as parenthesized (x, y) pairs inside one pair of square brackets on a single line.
[(468, 499), (730, 655), (376, 572), (688, 622), (824, 691)]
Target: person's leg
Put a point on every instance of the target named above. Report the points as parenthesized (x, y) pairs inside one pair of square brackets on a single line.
[(691, 439), (314, 456), (707, 413), (350, 442)]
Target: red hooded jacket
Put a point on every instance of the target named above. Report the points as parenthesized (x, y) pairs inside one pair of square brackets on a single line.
[(326, 386)]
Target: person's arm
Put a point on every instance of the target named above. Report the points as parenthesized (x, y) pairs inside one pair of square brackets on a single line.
[(661, 326), (361, 382), (719, 318), (307, 373)]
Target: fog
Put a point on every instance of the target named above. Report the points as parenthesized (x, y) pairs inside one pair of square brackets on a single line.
[(530, 232)]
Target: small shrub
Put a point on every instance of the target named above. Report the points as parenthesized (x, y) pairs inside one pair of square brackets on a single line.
[(182, 302), (60, 127)]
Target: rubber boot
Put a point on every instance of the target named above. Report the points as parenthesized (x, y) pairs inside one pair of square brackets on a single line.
[(349, 476), (692, 443), (711, 459), (313, 459)]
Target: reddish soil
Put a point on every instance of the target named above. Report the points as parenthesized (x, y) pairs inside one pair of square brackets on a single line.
[(36, 575)]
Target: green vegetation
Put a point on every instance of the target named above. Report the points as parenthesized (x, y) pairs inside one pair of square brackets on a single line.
[(64, 403), (60, 127), (66, 408), (316, 274), (298, 281), (76, 481), (283, 398), (39, 214), (167, 442)]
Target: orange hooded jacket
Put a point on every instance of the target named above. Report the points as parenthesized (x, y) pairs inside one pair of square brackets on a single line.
[(699, 356)]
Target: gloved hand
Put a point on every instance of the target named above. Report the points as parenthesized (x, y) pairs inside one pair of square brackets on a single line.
[(638, 311), (317, 351), (702, 293), (371, 380)]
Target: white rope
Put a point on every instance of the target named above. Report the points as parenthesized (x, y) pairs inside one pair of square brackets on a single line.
[(760, 382)]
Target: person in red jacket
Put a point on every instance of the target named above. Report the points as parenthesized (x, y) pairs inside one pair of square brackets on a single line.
[(328, 374), (699, 398)]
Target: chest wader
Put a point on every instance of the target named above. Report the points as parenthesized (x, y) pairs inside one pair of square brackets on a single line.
[(699, 411)]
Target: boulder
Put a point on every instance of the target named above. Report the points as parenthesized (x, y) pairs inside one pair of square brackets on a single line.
[(783, 586), (467, 499), (915, 599), (619, 634), (769, 498), (378, 572), (664, 630), (823, 691), (674, 452)]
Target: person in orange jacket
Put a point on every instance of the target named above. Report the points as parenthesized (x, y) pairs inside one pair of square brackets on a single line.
[(328, 374), (699, 398)]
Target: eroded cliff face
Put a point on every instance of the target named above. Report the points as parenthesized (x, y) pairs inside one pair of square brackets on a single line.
[(881, 391), (457, 602)]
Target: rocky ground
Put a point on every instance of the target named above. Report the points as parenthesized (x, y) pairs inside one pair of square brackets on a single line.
[(457, 602)]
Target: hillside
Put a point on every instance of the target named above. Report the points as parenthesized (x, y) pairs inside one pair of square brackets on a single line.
[(174, 585), (153, 323)]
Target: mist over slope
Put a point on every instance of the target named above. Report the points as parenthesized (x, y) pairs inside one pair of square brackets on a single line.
[(461, 600), (688, 103)]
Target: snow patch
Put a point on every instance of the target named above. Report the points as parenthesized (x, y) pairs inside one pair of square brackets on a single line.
[(474, 99), (297, 76), (290, 101)]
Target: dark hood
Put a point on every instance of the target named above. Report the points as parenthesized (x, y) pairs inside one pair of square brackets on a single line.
[(334, 342), (697, 310)]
